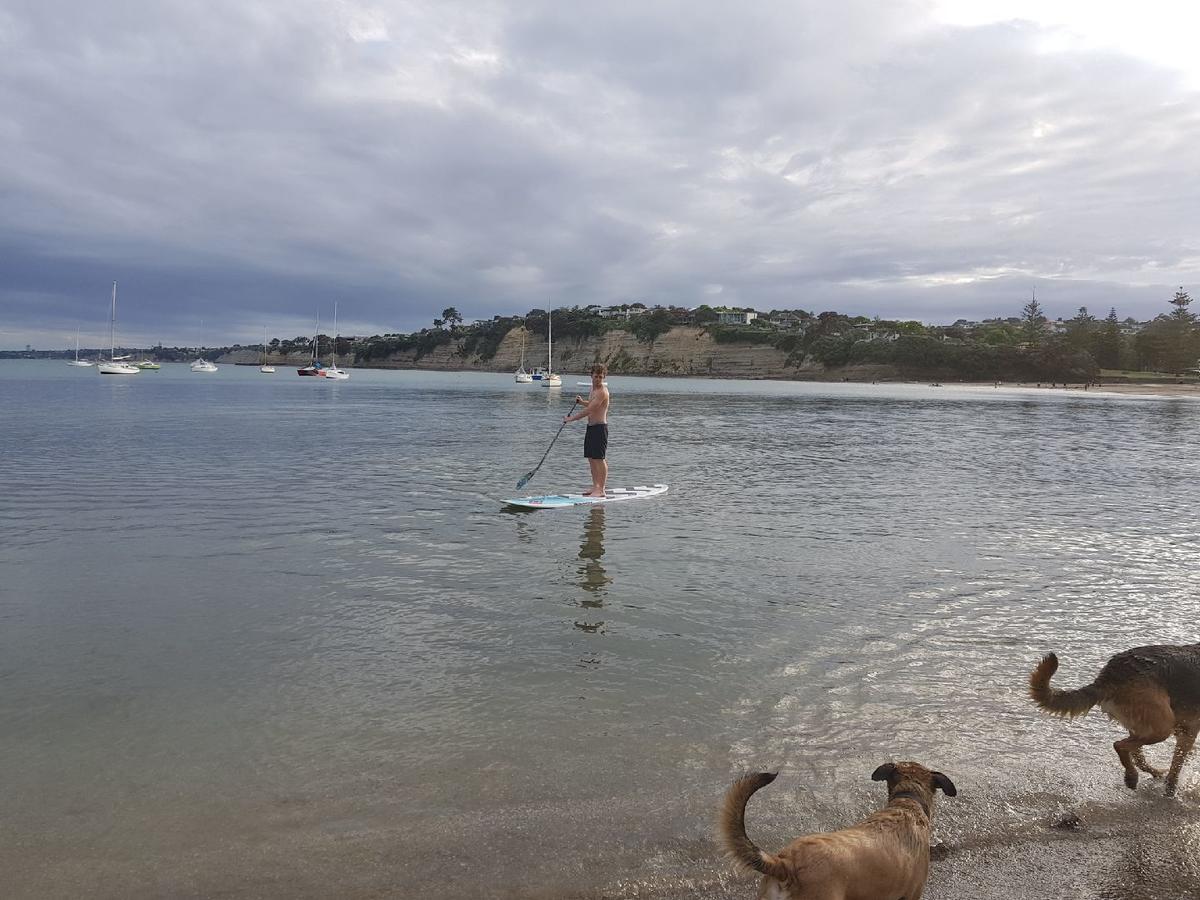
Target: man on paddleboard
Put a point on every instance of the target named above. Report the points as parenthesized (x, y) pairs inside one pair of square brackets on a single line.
[(595, 441)]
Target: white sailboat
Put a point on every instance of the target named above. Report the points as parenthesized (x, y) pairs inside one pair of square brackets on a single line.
[(550, 379), (201, 364), (333, 372), (114, 365), (266, 368), (82, 363), (521, 376)]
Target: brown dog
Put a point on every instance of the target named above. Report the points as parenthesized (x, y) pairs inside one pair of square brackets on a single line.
[(883, 857), (1152, 691)]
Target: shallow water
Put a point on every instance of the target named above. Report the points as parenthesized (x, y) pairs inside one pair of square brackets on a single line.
[(267, 636)]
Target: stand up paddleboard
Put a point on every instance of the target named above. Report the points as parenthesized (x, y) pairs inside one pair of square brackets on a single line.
[(556, 501)]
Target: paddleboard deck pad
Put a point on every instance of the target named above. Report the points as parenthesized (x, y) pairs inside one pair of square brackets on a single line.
[(613, 495)]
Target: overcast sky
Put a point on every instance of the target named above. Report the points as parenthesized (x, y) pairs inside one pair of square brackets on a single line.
[(238, 165)]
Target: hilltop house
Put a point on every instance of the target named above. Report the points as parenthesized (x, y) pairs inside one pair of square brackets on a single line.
[(736, 317)]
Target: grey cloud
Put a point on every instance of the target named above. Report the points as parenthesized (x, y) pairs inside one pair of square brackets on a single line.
[(256, 159)]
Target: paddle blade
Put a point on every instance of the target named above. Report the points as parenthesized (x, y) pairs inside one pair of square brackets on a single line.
[(524, 480)]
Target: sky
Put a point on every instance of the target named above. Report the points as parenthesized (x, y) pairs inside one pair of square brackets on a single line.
[(237, 166)]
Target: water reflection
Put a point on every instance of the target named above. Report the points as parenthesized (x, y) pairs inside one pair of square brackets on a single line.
[(592, 576)]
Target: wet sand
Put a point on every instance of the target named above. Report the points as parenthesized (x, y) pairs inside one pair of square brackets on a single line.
[(1130, 846), (1157, 389)]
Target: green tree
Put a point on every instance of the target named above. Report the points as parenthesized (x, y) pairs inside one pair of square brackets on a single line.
[(1180, 334), (1033, 321), (451, 317), (1081, 331), (1108, 342)]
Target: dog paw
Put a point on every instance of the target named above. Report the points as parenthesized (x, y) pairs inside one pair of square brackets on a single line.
[(1131, 780)]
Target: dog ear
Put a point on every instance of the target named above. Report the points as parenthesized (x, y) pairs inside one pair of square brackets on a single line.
[(947, 786), (884, 772)]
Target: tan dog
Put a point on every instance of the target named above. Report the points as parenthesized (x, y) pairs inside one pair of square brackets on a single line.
[(883, 857), (1152, 691)]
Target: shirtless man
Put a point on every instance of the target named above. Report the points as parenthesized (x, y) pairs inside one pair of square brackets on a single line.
[(595, 442)]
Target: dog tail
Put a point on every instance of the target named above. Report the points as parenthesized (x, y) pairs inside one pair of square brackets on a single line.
[(1060, 703), (738, 845)]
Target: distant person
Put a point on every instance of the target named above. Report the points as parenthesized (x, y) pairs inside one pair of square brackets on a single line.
[(595, 440)]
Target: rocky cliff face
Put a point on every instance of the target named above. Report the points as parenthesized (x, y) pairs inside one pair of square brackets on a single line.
[(681, 351)]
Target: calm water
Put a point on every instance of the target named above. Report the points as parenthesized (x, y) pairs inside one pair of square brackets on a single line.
[(270, 636)]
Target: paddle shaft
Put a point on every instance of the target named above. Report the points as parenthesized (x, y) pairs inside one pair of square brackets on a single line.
[(525, 480)]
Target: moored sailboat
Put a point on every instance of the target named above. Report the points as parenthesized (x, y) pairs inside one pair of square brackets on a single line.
[(521, 376), (332, 371), (201, 364), (82, 363), (266, 368), (550, 378), (114, 365), (315, 367)]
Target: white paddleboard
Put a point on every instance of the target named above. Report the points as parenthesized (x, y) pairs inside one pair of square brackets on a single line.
[(612, 495)]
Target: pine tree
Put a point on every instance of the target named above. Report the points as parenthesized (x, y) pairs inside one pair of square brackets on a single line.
[(1108, 345), (1181, 334), (1033, 321)]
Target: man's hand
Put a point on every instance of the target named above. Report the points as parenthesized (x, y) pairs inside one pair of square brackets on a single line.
[(566, 419), (579, 399)]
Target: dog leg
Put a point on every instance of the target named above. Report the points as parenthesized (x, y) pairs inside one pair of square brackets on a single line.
[(1139, 759), (1128, 747), (1185, 737)]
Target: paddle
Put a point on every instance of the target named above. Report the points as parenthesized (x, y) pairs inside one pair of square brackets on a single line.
[(525, 478)]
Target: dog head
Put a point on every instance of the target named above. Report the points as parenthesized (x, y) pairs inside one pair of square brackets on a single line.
[(913, 779)]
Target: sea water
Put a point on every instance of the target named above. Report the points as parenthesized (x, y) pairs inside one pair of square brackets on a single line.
[(270, 636)]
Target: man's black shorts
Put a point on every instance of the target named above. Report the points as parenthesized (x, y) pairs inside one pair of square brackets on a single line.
[(595, 441)]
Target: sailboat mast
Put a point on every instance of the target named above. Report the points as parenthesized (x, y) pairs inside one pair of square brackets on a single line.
[(112, 326), (549, 341)]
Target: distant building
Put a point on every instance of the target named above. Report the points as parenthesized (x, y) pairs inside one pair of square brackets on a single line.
[(624, 311), (736, 317)]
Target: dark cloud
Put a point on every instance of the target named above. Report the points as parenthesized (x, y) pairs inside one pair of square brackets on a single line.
[(246, 163)]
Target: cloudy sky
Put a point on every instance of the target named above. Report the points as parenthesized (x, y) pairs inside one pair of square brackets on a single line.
[(240, 164)]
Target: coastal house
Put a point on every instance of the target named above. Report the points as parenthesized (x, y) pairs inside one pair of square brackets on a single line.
[(736, 316), (785, 319), (624, 311)]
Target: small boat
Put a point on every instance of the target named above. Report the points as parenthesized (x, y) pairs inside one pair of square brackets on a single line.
[(549, 377), (114, 365), (147, 365), (82, 363), (521, 376), (201, 364), (316, 367), (266, 368), (333, 372)]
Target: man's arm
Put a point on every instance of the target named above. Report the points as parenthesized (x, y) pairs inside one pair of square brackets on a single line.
[(587, 408)]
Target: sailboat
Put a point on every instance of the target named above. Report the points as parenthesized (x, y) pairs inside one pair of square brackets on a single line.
[(523, 377), (114, 364), (550, 379), (82, 363), (201, 364), (314, 367), (333, 372), (266, 368)]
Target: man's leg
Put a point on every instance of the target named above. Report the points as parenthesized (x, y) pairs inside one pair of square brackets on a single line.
[(597, 478)]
